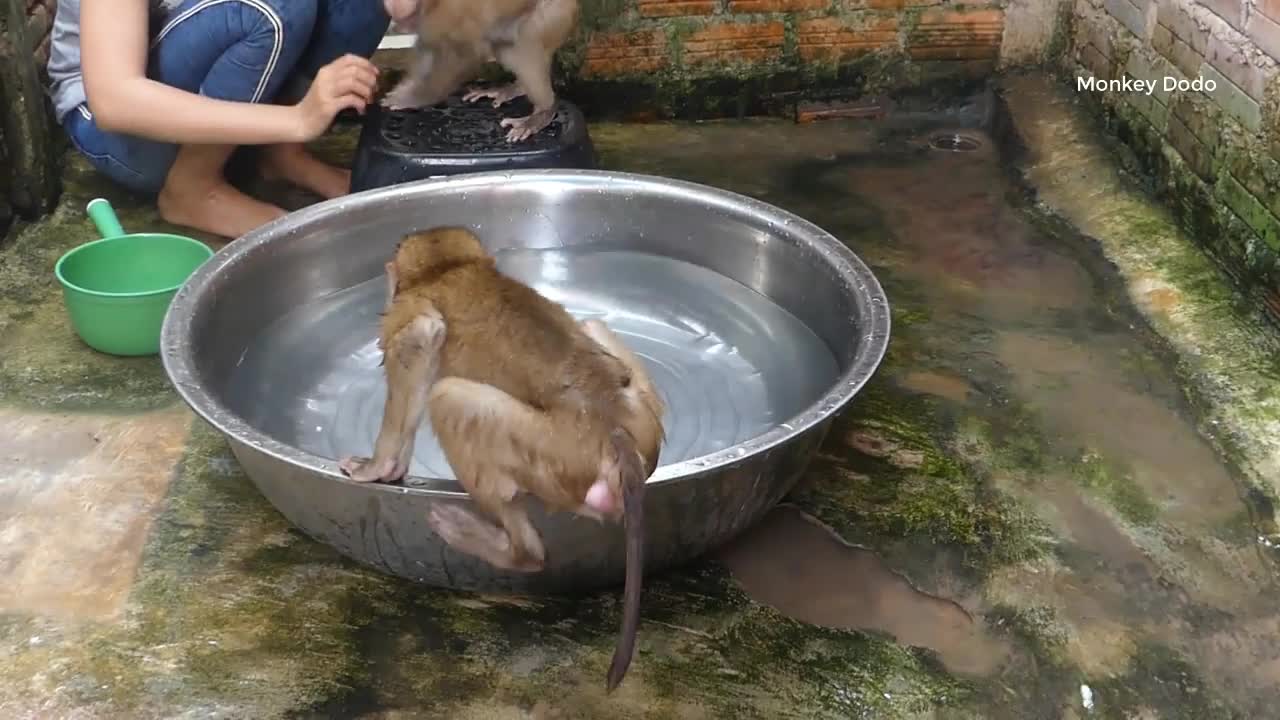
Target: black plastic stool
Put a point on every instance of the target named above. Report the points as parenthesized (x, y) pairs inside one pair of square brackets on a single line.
[(456, 137)]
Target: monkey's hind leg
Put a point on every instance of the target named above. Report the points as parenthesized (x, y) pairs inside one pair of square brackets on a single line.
[(500, 95), (484, 432), (467, 532), (411, 359), (531, 64)]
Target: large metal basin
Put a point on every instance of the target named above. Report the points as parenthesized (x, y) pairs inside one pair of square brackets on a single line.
[(657, 258)]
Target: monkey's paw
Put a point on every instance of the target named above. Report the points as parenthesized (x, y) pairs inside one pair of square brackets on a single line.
[(401, 97), (528, 126), (364, 470), (501, 95), (468, 534)]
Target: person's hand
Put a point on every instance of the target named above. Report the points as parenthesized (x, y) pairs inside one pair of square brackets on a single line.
[(402, 13), (348, 82)]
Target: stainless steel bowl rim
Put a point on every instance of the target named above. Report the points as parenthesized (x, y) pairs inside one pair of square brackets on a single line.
[(179, 362)]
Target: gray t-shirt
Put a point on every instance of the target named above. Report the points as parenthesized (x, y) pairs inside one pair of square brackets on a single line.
[(66, 86)]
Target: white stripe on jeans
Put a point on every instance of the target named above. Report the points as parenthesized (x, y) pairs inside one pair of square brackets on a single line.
[(277, 25)]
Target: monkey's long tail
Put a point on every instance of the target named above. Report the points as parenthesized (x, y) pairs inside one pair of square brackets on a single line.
[(633, 482)]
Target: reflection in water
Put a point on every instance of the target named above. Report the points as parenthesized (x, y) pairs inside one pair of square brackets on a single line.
[(793, 563)]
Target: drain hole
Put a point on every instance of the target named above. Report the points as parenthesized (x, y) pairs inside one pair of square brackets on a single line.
[(954, 142)]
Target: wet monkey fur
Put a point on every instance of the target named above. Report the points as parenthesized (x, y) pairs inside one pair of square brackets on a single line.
[(523, 399), (456, 38)]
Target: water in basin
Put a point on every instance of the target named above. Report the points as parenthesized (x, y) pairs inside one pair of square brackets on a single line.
[(729, 363)]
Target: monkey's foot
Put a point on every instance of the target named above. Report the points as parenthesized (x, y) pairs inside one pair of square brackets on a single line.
[(528, 126), (402, 97), (365, 470), (501, 95), (467, 533)]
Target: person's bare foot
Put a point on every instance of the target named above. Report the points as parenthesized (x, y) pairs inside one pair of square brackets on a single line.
[(197, 195), (219, 209), (292, 162)]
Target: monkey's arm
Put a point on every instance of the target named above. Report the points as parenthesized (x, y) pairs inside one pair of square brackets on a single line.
[(391, 286), (434, 74), (412, 359)]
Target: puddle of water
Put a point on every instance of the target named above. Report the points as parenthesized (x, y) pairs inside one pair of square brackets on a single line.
[(959, 237), (1089, 399), (804, 570), (1149, 548), (942, 385), (1093, 530)]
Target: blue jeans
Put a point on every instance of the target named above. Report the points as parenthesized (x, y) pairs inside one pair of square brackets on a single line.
[(242, 50)]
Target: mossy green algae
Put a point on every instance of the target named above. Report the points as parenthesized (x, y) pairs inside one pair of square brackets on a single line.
[(235, 612)]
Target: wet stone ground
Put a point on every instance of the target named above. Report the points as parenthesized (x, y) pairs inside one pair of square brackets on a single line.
[(1045, 505)]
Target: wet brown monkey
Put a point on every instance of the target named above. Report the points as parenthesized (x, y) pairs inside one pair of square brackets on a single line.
[(523, 399), (456, 38)]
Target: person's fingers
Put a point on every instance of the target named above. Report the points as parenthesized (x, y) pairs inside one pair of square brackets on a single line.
[(351, 85), (348, 82), (367, 64), (362, 76), (343, 61), (354, 102), (348, 61), (365, 75), (334, 68)]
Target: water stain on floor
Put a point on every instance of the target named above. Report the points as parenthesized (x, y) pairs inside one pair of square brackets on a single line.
[(941, 384), (77, 499), (793, 563), (1170, 466)]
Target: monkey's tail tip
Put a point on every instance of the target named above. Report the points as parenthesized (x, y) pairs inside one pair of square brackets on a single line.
[(617, 670), (633, 480)]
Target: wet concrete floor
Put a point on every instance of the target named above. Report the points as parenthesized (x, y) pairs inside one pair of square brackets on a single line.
[(1020, 517)]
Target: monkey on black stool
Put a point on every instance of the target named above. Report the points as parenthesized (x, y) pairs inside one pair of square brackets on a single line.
[(455, 38)]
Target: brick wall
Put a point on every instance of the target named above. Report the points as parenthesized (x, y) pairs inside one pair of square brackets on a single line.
[(1213, 149), (655, 40), (39, 22)]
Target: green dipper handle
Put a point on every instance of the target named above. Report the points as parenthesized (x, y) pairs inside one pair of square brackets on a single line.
[(104, 218)]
